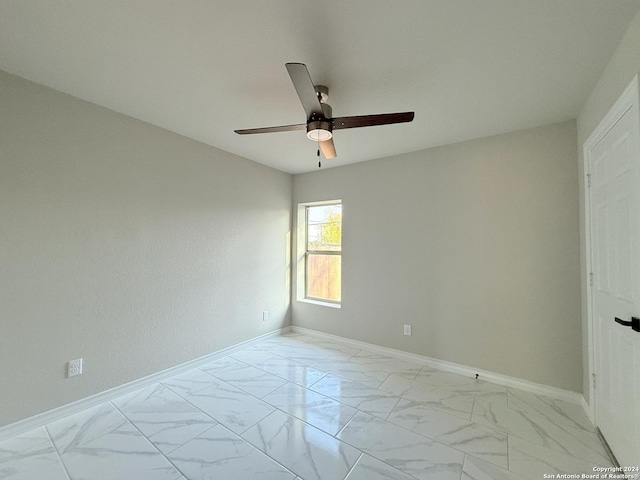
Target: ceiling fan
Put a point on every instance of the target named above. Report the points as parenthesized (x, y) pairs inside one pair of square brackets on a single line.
[(320, 123)]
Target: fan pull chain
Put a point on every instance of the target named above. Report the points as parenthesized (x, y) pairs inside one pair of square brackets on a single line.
[(319, 95)]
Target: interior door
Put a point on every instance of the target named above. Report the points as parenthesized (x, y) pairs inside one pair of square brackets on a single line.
[(614, 163)]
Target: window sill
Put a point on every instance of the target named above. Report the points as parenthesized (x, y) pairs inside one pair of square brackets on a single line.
[(320, 302)]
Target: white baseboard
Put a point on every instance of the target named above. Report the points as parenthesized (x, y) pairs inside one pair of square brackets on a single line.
[(499, 379), (588, 409), (45, 418)]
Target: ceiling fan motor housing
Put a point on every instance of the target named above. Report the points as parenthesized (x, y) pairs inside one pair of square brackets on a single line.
[(319, 129)]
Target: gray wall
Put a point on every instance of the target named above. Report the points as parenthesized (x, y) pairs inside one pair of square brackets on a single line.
[(127, 245), (475, 244), (624, 64)]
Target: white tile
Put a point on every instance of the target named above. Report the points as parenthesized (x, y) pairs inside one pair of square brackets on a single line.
[(483, 442), (33, 440), (281, 341), (164, 417), (76, 430), (296, 340), (121, 453), (542, 431), (334, 350), (329, 344), (475, 469), (303, 449), (480, 387), (32, 466), (222, 364), (438, 378), (292, 371), (190, 382), (266, 344), (440, 398), (332, 345), (252, 355), (296, 336), (369, 468), (385, 363), (27, 456), (218, 453), (533, 461), (311, 407), (356, 372), (230, 406), (333, 355), (479, 390), (305, 354), (407, 451), (250, 379), (362, 397), (555, 410), (464, 385)]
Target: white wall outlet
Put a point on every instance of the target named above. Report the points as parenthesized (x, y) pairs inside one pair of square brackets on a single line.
[(265, 315), (407, 330), (74, 367)]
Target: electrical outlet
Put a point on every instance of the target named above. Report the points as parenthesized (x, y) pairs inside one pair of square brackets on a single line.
[(74, 367), (265, 315), (407, 330)]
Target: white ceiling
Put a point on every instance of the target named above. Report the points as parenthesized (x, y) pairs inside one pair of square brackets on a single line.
[(468, 68)]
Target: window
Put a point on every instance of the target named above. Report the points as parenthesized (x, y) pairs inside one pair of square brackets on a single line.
[(323, 252)]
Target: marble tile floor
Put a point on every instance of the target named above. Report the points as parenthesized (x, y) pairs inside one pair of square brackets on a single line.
[(297, 407)]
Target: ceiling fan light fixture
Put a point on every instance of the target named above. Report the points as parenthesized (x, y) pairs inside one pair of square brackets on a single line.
[(319, 135), (319, 131)]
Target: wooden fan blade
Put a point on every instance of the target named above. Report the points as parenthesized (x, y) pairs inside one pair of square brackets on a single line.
[(282, 128), (371, 120), (305, 89), (328, 149)]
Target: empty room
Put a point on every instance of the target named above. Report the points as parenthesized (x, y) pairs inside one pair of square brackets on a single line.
[(319, 240)]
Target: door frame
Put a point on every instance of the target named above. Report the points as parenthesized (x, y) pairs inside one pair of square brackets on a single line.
[(629, 99)]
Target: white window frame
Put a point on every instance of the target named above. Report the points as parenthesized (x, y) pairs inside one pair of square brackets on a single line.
[(302, 253)]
